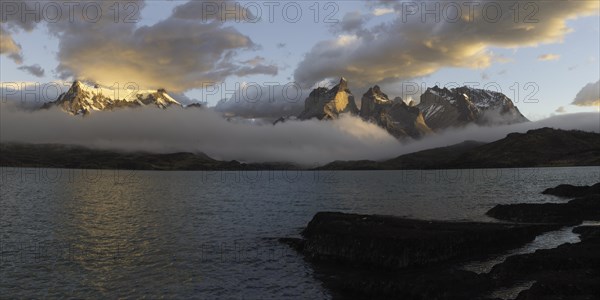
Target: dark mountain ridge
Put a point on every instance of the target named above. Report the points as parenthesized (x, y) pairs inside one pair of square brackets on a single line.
[(545, 147)]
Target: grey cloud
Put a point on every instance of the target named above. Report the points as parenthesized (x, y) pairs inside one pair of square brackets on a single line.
[(409, 48), (264, 101), (351, 22), (9, 47), (178, 53), (589, 95), (34, 70), (304, 142), (193, 130), (15, 19), (214, 10)]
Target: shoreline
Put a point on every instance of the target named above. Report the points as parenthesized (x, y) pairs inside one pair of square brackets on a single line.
[(373, 256)]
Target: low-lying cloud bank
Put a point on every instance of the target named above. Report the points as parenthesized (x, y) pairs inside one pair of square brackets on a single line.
[(304, 142)]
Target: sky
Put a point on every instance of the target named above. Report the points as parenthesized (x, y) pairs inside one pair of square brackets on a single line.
[(545, 58)]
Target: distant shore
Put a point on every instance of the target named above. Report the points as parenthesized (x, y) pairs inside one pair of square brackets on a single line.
[(544, 147)]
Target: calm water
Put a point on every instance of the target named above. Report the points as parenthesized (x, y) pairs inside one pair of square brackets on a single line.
[(213, 234)]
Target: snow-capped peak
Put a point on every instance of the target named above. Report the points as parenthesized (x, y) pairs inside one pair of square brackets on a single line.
[(82, 98)]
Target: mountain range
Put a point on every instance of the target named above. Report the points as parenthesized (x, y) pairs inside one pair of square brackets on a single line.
[(439, 108), (82, 99), (543, 147)]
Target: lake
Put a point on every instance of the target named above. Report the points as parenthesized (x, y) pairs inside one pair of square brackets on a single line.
[(131, 234)]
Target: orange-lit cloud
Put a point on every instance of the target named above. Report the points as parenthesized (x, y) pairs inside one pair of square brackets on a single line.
[(549, 56), (409, 47), (589, 95)]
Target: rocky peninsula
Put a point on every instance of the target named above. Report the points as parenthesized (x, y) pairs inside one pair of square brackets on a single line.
[(384, 257)]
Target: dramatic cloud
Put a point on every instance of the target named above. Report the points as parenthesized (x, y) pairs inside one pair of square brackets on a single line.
[(561, 110), (204, 130), (409, 47), (13, 20), (34, 70), (178, 53), (9, 47), (549, 56), (187, 50), (589, 95), (195, 130)]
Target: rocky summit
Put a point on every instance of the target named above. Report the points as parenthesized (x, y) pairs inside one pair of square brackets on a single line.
[(327, 104), (82, 99), (439, 108), (443, 107), (395, 116)]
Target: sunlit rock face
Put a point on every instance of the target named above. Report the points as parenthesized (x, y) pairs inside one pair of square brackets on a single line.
[(373, 103), (82, 99), (328, 104), (395, 116), (443, 108)]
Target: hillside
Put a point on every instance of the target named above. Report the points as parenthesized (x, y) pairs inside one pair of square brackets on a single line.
[(543, 147)]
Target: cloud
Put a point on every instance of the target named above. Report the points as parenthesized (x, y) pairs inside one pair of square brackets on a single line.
[(184, 51), (178, 53), (561, 110), (34, 70), (351, 22), (14, 20), (197, 130), (380, 11), (589, 95), (265, 101), (548, 57), (211, 10), (408, 48), (9, 47), (305, 142)]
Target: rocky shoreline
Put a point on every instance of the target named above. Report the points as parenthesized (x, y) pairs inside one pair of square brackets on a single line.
[(383, 257)]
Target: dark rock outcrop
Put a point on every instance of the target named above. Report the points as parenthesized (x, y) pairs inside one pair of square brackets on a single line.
[(328, 104), (585, 208), (194, 105), (570, 191), (362, 256), (379, 257), (402, 120), (571, 271), (396, 243)]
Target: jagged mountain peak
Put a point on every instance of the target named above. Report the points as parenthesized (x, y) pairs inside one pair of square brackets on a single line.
[(396, 117), (443, 107), (323, 103), (82, 99)]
